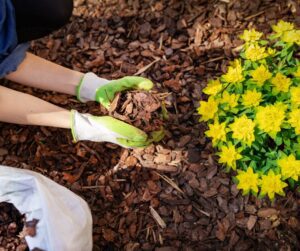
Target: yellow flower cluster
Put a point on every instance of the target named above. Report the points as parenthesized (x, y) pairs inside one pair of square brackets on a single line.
[(292, 36), (294, 120), (282, 27), (281, 83), (260, 75), (270, 184), (290, 167), (243, 129), (213, 87), (269, 119), (229, 155), (217, 132), (295, 96), (254, 52), (248, 181), (208, 109), (286, 32), (234, 73), (231, 100), (251, 35), (251, 98), (253, 113)]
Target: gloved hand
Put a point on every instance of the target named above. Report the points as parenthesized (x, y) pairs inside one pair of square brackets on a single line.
[(108, 129), (103, 91)]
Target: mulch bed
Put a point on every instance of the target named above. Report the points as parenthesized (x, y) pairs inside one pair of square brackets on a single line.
[(171, 195)]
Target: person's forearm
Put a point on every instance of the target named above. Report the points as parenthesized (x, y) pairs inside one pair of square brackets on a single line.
[(40, 73), (20, 108)]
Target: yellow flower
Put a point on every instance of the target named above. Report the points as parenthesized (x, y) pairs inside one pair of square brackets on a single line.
[(281, 106), (251, 35), (230, 99), (270, 118), (234, 73), (254, 52), (295, 96), (229, 155), (271, 184), (213, 87), (271, 51), (290, 37), (290, 167), (251, 98), (260, 75), (208, 109), (281, 83), (248, 181), (243, 129), (282, 26), (297, 73), (295, 120), (216, 132)]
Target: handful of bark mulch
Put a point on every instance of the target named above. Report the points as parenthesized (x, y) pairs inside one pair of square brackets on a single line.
[(11, 224), (14, 228), (142, 109)]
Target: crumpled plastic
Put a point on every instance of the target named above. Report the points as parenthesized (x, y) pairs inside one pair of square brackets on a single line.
[(65, 221)]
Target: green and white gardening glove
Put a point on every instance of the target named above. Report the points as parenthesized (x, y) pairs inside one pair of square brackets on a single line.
[(93, 88), (106, 129)]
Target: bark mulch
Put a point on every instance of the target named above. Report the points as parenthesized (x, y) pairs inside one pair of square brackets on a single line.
[(171, 195)]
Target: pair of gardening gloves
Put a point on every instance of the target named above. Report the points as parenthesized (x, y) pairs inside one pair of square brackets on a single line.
[(106, 128)]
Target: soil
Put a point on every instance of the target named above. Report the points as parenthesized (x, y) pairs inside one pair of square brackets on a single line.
[(171, 195)]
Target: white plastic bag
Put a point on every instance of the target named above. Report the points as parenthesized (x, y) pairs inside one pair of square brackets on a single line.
[(65, 221)]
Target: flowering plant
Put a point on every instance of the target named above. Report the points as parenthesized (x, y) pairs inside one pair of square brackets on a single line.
[(253, 112)]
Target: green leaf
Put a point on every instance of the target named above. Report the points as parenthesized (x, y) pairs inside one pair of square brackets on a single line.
[(263, 42), (273, 36), (234, 110), (279, 44), (287, 142), (256, 146), (246, 158), (290, 55), (283, 53), (291, 183), (247, 64), (243, 164), (281, 154), (265, 169), (278, 141), (272, 155), (253, 164)]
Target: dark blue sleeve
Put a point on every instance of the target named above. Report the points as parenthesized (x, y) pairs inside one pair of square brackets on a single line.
[(11, 54)]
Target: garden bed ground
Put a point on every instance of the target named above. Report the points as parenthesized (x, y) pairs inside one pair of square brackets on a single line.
[(179, 45)]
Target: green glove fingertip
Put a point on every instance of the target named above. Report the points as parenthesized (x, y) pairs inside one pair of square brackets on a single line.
[(145, 84), (132, 144)]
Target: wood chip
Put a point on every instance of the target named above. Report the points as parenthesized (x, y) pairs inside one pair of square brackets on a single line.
[(157, 218)]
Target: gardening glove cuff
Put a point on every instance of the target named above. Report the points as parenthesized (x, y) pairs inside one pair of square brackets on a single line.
[(88, 86), (106, 129)]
